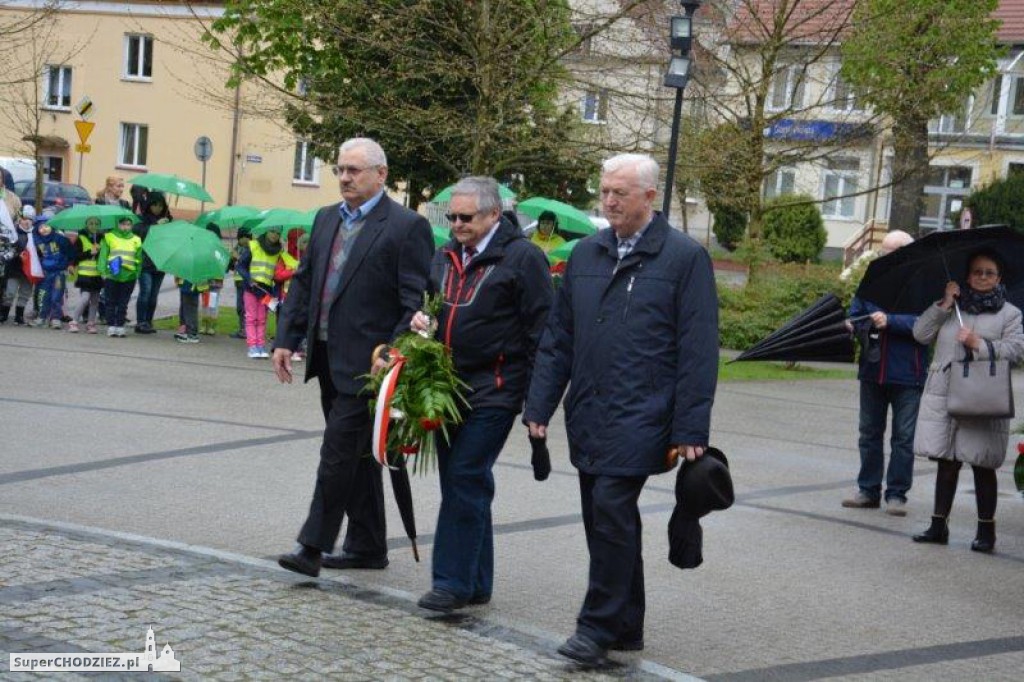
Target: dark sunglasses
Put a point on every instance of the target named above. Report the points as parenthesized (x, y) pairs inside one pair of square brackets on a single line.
[(464, 217)]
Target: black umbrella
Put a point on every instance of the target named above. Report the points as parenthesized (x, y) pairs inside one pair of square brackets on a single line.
[(403, 498), (818, 333), (910, 279)]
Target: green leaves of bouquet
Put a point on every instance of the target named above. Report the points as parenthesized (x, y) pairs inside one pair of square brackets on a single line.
[(427, 396)]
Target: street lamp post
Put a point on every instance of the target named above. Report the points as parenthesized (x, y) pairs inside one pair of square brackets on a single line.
[(680, 42)]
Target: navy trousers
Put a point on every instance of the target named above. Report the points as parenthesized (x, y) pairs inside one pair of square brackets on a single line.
[(613, 610), (463, 560)]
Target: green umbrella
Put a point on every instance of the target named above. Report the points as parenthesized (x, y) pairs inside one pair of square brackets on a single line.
[(282, 219), (74, 218), (445, 195), (187, 251), (172, 184), (560, 253), (227, 217), (442, 235), (570, 218)]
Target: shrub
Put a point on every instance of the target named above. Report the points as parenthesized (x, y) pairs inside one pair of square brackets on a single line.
[(793, 229), (1000, 202), (748, 314), (730, 226)]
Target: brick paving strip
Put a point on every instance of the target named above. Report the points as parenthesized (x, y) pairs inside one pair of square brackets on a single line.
[(66, 588)]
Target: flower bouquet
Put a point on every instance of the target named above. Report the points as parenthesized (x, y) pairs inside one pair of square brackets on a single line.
[(417, 394)]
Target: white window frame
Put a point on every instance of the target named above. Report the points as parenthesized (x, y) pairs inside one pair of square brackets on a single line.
[(594, 106), (832, 207), (954, 124), (126, 72), (849, 103), (136, 160), (795, 88), (303, 150), (64, 80), (775, 182)]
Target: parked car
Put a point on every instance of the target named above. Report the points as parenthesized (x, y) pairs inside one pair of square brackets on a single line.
[(17, 169), (57, 195)]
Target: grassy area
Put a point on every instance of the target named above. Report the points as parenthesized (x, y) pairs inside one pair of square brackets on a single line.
[(227, 323), (776, 371)]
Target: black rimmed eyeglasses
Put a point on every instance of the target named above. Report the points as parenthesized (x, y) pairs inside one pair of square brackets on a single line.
[(351, 170)]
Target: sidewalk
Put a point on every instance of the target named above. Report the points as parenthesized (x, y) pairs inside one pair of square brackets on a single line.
[(69, 589)]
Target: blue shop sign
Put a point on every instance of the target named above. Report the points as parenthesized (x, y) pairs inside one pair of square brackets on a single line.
[(815, 131)]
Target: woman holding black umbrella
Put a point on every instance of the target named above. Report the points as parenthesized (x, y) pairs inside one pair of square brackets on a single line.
[(982, 314)]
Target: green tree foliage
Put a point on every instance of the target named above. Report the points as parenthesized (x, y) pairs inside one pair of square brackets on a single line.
[(793, 229), (914, 60), (999, 202), (448, 87)]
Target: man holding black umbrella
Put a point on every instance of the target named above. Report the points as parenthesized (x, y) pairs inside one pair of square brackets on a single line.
[(893, 368), (357, 286)]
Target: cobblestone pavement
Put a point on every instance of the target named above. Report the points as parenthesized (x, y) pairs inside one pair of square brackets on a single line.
[(229, 618)]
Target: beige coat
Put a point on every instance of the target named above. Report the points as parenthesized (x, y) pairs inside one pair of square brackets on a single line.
[(975, 441)]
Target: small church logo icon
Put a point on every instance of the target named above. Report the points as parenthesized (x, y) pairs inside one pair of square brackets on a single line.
[(165, 662)]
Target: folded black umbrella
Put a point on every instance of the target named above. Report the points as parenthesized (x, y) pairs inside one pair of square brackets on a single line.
[(402, 491), (817, 333), (910, 279)]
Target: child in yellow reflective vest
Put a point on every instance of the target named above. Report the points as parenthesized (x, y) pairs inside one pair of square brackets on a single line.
[(256, 265), (88, 280), (120, 260)]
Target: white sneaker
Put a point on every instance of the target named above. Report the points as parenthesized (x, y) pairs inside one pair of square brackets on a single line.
[(254, 352), (111, 331), (264, 353), (894, 506)]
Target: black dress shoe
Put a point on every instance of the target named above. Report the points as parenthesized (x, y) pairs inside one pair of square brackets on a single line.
[(305, 560), (439, 600), (584, 650), (354, 561), (628, 645), (479, 599)]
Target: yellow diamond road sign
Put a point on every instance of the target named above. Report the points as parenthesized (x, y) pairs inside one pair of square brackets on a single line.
[(84, 129)]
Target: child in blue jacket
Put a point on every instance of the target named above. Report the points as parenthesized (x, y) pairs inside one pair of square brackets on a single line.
[(55, 255)]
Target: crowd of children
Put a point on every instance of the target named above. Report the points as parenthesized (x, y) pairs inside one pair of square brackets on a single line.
[(37, 263)]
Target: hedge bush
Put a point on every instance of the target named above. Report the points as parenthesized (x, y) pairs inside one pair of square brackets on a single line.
[(793, 228), (748, 314), (730, 226), (1000, 202)]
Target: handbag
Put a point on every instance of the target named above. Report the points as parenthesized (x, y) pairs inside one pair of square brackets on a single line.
[(980, 389)]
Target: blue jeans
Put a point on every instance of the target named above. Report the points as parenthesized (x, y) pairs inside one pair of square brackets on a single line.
[(463, 561), (240, 304), (51, 296), (875, 400), (149, 290)]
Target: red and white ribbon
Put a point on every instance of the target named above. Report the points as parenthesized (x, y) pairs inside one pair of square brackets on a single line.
[(382, 415)]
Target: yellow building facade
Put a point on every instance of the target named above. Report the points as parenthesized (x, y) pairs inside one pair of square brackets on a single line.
[(139, 72)]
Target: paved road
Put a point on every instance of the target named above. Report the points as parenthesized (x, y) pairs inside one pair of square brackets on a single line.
[(198, 445)]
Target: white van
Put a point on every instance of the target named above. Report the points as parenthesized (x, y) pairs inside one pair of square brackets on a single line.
[(20, 169)]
